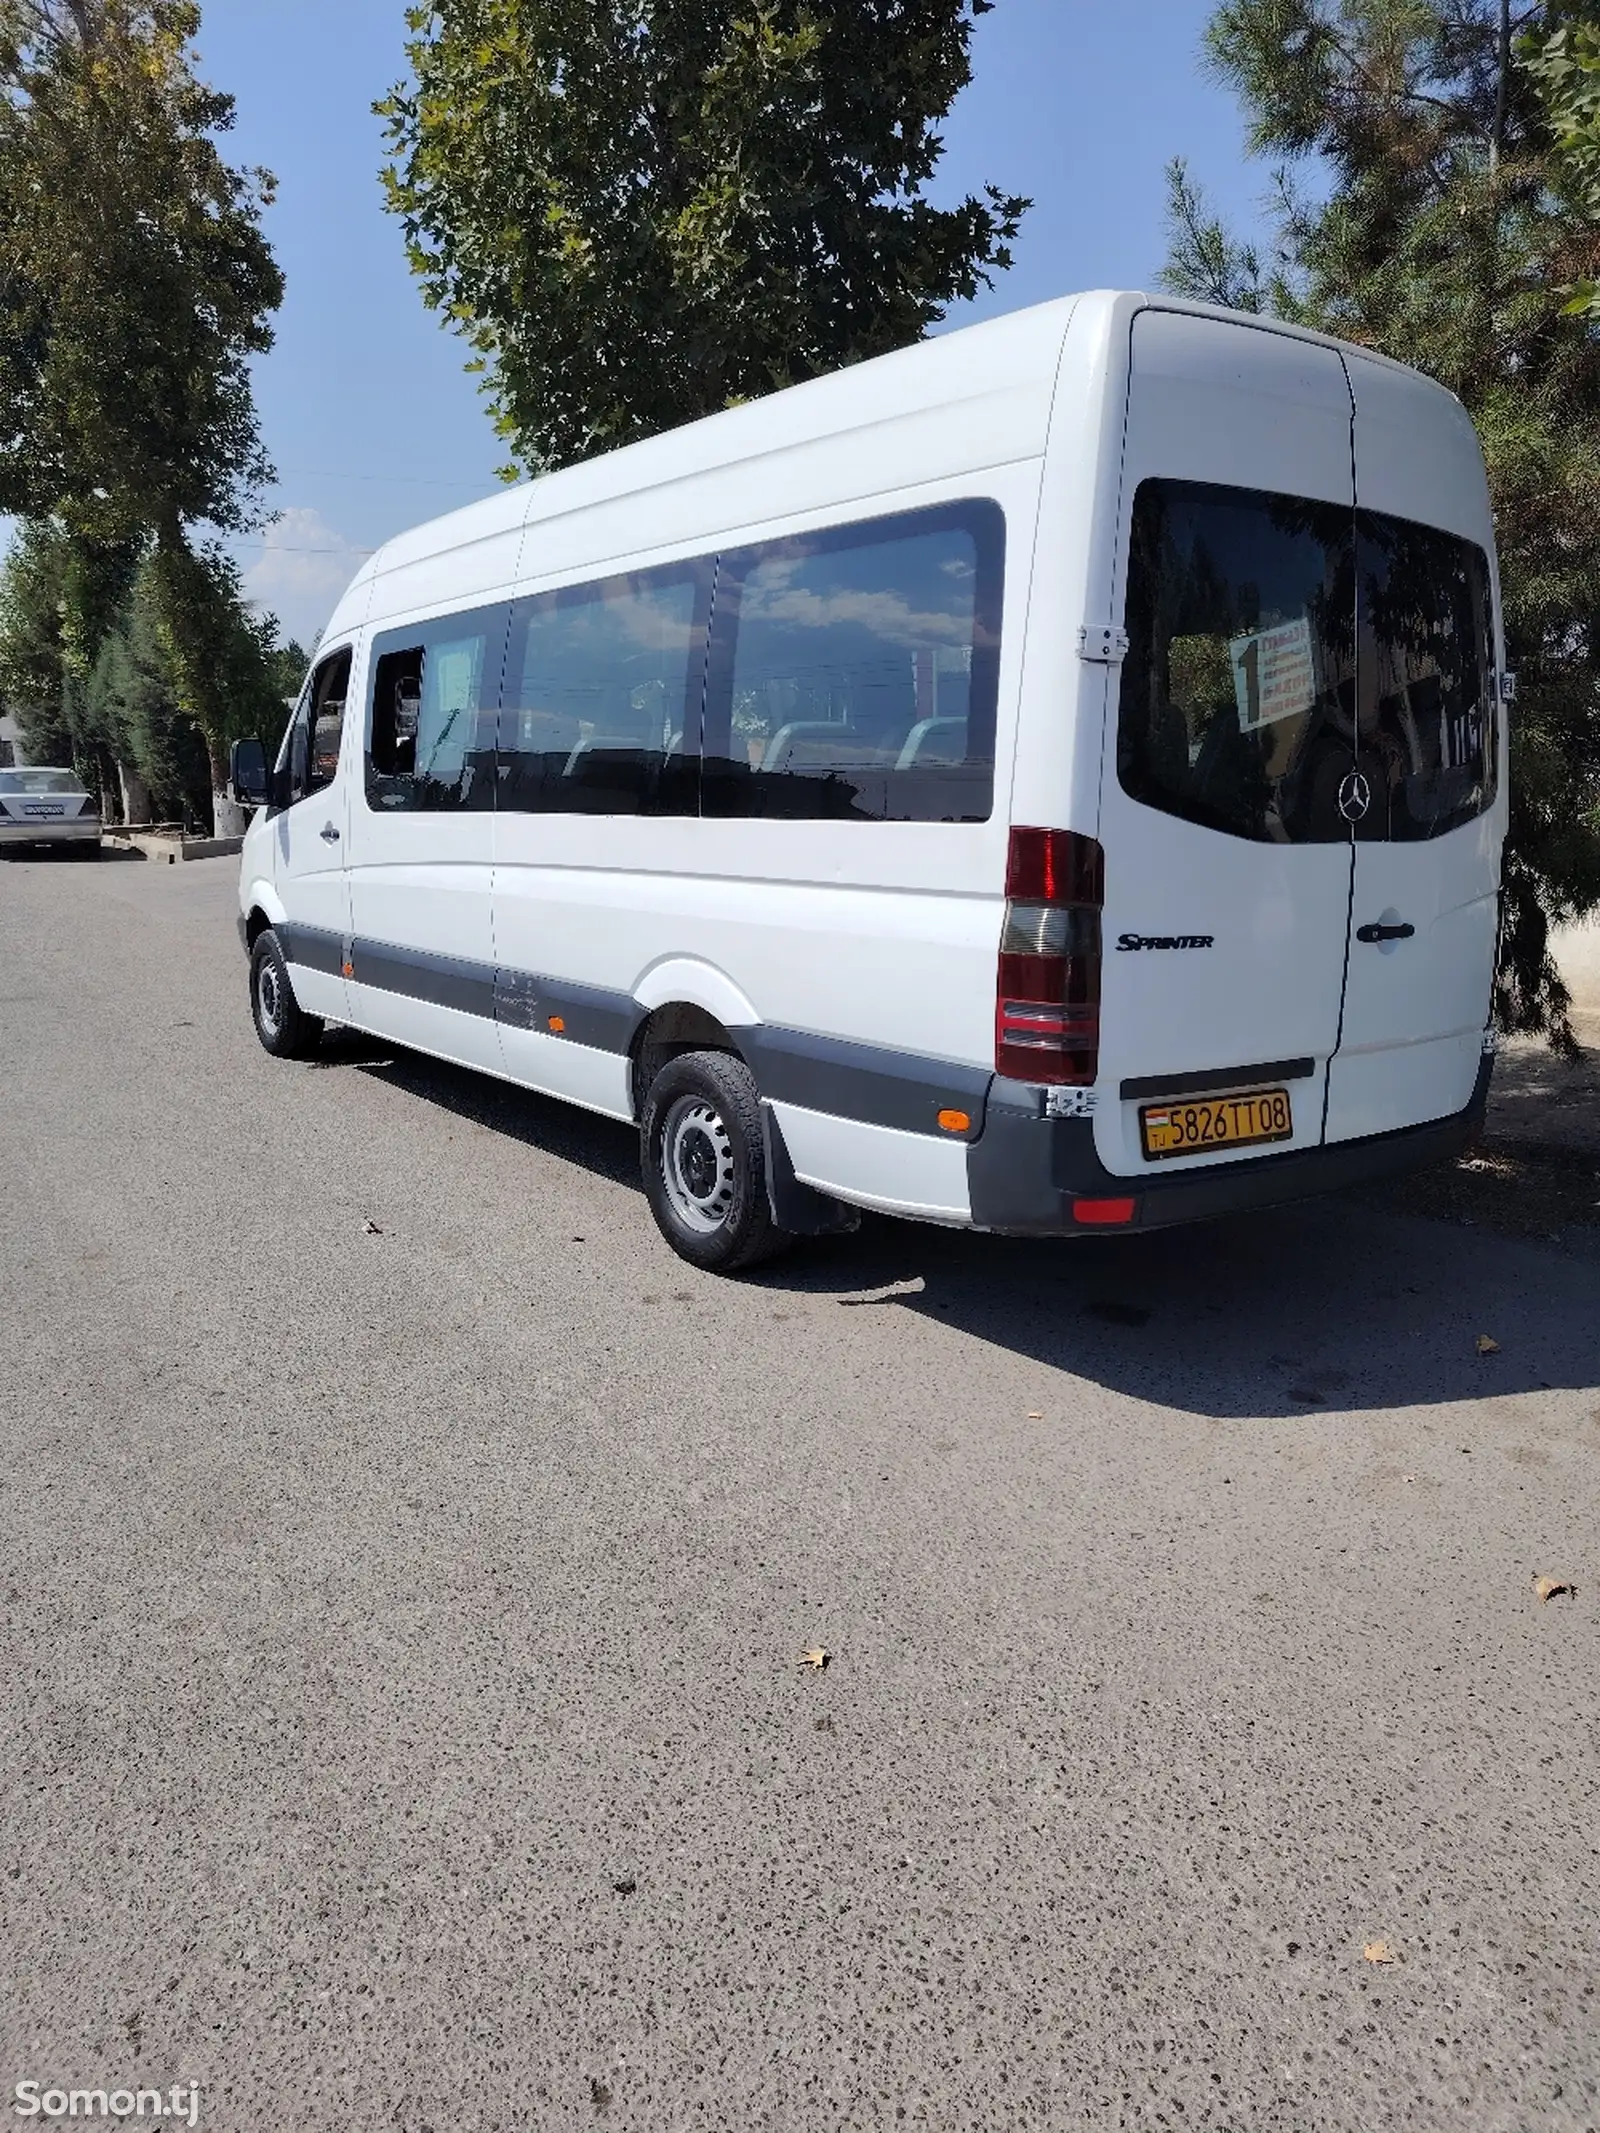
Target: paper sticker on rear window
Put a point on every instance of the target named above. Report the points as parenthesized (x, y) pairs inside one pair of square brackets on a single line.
[(1274, 674)]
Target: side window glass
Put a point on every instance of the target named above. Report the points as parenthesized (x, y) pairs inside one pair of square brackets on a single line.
[(329, 687), (601, 710), (1238, 690), (309, 756), (434, 689), (1428, 736), (856, 670)]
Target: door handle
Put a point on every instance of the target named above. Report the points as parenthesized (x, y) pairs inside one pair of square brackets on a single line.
[(1377, 931), (330, 835)]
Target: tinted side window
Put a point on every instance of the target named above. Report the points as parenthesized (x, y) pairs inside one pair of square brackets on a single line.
[(434, 692), (1237, 707), (601, 709), (309, 757), (1426, 660), (854, 672)]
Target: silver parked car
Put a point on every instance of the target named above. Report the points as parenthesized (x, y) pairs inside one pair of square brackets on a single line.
[(47, 807)]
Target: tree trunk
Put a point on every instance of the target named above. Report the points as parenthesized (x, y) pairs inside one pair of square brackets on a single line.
[(228, 818), (135, 794), (1497, 139)]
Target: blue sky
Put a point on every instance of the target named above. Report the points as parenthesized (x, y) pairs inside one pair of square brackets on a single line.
[(366, 410)]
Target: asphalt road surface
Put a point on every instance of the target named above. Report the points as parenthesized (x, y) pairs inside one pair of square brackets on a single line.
[(402, 1723)]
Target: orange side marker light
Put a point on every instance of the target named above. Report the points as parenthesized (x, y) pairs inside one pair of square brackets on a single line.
[(558, 1023), (954, 1122)]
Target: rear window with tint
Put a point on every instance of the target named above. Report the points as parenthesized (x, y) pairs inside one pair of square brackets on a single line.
[(1277, 643), (1425, 658), (1238, 690), (54, 781)]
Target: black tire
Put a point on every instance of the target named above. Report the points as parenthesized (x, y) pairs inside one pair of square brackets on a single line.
[(282, 1024), (705, 1163)]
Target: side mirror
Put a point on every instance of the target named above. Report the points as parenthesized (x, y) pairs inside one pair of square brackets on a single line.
[(247, 774)]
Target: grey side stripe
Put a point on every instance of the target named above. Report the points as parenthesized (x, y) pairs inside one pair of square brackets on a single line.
[(905, 1090), (441, 980), (313, 947), (593, 1015), (865, 1082)]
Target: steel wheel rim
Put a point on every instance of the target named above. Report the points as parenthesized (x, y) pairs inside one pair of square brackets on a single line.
[(697, 1165), (269, 998)]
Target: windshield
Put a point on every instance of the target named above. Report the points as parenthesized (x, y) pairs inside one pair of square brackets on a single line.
[(1249, 691), (39, 781)]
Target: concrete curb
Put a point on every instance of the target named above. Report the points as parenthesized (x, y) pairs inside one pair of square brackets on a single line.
[(172, 849)]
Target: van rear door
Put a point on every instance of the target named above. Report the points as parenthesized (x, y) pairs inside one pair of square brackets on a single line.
[(1427, 841), (1231, 741)]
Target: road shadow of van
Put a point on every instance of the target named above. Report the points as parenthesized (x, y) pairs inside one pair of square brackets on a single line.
[(1337, 1304)]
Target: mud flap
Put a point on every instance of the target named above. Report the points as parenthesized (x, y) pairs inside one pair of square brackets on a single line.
[(800, 1209)]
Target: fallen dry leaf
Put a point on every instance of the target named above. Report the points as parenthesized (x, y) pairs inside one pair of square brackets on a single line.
[(816, 1657), (371, 1228), (1487, 1345), (1379, 1951), (1546, 1588)]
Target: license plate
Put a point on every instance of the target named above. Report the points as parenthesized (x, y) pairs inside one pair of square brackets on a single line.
[(43, 807), (1205, 1122)]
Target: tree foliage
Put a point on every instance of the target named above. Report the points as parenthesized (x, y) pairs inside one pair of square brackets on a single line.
[(131, 696), (641, 211), (1562, 53), (133, 709), (137, 283), (1449, 238), (135, 287)]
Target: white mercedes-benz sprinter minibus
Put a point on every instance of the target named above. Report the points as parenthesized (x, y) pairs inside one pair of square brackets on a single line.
[(1048, 780)]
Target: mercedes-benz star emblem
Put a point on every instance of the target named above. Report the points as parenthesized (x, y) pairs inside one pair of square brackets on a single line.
[(1355, 797)]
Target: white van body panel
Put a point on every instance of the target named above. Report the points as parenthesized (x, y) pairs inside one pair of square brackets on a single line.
[(1411, 1040), (877, 1167), (851, 941), (818, 930), (313, 881), (1210, 402), (578, 1073)]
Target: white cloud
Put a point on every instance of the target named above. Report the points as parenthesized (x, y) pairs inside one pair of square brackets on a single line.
[(300, 571)]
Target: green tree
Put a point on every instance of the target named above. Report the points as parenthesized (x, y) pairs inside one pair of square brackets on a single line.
[(215, 651), (58, 598), (1562, 53), (1448, 238), (131, 696), (32, 654), (640, 211), (135, 286), (127, 721)]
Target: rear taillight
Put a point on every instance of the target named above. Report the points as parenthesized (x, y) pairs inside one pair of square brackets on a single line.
[(1047, 990)]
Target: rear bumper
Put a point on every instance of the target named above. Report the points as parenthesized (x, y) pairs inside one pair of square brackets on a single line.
[(51, 831), (1026, 1171)]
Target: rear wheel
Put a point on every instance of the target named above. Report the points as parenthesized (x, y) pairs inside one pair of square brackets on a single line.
[(704, 1160), (283, 1026)]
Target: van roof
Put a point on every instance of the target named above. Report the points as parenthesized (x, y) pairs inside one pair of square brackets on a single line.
[(1020, 348)]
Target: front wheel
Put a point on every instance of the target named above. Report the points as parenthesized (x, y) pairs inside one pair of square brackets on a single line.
[(705, 1166), (283, 1026)]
